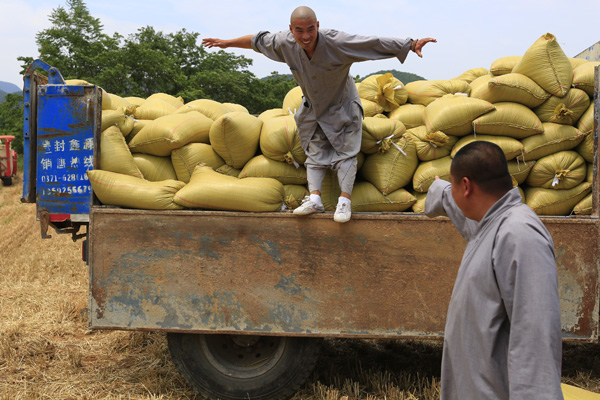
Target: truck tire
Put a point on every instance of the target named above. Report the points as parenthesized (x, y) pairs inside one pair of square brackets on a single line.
[(6, 180), (241, 367)]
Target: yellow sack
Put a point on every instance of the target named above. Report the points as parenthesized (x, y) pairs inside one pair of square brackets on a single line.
[(562, 170), (128, 191), (546, 63), (210, 190), (279, 140), (431, 145), (393, 169), (294, 194), (472, 74), (171, 132), (419, 205), (370, 108), (155, 168), (232, 107), (586, 147), (264, 167), (425, 92), (584, 77), (235, 136), (228, 170), (115, 155), (174, 101), (515, 88), (113, 118), (292, 100), (134, 100), (520, 170), (411, 115), (117, 101), (210, 108), (378, 134), (366, 198), (564, 110), (584, 207), (504, 65), (586, 122), (556, 137), (511, 147), (153, 109), (576, 62), (428, 170), (185, 159), (590, 173), (330, 190), (454, 114), (138, 124), (509, 119), (384, 90), (272, 113), (555, 202)]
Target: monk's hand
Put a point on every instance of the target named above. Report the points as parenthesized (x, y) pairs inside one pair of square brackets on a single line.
[(211, 42), (421, 43)]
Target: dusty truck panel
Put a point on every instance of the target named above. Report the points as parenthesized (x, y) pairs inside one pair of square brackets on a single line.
[(383, 275)]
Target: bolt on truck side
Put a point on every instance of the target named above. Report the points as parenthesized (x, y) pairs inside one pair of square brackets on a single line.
[(246, 298)]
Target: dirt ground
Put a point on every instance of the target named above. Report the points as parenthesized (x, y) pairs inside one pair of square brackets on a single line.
[(47, 352)]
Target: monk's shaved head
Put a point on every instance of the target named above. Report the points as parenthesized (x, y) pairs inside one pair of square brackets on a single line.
[(303, 12)]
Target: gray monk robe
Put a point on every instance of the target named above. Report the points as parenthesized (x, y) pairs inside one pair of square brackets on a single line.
[(329, 90), (503, 335)]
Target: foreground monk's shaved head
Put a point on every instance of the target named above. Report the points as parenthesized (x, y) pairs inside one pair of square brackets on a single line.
[(303, 12)]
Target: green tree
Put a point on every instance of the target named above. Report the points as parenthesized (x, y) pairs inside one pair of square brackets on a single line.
[(11, 120)]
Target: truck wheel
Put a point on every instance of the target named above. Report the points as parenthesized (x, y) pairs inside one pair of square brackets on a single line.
[(6, 181), (240, 367)]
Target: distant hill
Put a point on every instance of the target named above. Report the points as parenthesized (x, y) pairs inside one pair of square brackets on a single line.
[(404, 77), (9, 87)]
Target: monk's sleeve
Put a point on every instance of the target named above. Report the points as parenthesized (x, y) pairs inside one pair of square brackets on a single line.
[(268, 44), (439, 202), (525, 268), (361, 48)]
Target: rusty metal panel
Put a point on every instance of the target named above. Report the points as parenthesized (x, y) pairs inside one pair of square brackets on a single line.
[(381, 275)]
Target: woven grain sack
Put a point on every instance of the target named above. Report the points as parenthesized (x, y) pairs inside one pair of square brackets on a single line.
[(431, 145), (384, 90), (228, 170), (185, 159), (153, 109), (272, 113), (138, 124), (562, 170), (547, 64), (425, 92), (428, 170), (134, 100), (472, 74), (117, 101), (504, 65), (419, 205), (115, 155), (555, 202), (411, 115), (155, 168), (454, 114), (128, 191), (564, 110), (510, 146), (370, 108), (586, 147), (509, 119), (378, 134), (293, 195), (556, 137), (366, 198), (171, 132), (515, 88), (330, 190), (576, 62), (393, 169), (210, 108), (113, 118), (590, 173), (584, 207), (235, 107), (210, 190), (584, 77), (264, 167), (292, 100), (520, 170), (586, 122), (174, 101), (235, 136), (279, 140)]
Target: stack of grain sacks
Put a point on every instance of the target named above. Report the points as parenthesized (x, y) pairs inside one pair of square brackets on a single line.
[(159, 153)]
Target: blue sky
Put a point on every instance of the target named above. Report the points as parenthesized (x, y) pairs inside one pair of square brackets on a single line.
[(470, 33)]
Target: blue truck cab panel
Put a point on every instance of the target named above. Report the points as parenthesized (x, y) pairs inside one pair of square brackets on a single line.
[(61, 126)]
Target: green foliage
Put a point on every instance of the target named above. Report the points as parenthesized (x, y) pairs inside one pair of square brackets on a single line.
[(404, 77), (11, 120)]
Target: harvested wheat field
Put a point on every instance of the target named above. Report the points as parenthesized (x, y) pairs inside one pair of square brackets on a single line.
[(47, 352)]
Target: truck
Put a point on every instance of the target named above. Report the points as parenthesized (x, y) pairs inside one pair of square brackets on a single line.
[(245, 299)]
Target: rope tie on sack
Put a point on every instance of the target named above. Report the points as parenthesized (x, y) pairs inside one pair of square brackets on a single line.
[(560, 175), (523, 158), (289, 158), (292, 112), (561, 112), (384, 145), (437, 139)]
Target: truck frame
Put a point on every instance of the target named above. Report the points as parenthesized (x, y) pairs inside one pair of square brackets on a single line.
[(246, 298)]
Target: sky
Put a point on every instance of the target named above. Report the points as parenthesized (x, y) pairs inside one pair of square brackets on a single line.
[(470, 34)]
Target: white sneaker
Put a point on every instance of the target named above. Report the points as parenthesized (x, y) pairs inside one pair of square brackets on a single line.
[(343, 211), (308, 207)]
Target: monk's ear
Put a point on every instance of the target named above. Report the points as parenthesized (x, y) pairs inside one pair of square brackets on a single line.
[(467, 186)]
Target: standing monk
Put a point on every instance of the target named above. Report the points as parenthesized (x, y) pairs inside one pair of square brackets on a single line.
[(330, 118), (503, 334)]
